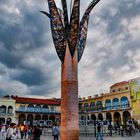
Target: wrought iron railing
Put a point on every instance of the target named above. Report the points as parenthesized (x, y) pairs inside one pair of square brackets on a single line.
[(97, 108)]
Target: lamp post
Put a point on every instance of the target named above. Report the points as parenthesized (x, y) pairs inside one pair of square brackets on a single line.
[(69, 38)]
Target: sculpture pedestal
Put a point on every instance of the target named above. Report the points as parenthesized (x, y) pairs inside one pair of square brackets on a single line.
[(69, 98)]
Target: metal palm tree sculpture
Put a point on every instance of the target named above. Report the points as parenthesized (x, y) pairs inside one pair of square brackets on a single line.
[(69, 38)]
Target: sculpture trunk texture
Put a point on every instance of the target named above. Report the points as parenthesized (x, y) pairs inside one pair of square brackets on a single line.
[(69, 98)]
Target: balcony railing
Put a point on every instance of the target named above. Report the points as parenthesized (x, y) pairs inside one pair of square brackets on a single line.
[(36, 110), (96, 109), (6, 114)]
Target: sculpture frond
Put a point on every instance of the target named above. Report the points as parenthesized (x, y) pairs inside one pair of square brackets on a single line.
[(65, 15), (73, 28), (57, 29), (47, 14), (83, 29)]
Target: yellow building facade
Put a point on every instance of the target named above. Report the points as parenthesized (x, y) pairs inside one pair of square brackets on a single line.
[(114, 106)]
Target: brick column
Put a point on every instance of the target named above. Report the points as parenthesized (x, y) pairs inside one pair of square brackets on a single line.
[(69, 98)]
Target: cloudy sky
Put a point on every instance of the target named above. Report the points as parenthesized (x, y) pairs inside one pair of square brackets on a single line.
[(29, 65)]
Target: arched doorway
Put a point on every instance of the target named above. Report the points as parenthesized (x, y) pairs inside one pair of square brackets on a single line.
[(93, 117), (126, 116), (8, 121), (30, 119), (117, 118), (52, 117), (108, 117), (2, 120), (100, 116), (45, 117), (22, 118), (37, 117)]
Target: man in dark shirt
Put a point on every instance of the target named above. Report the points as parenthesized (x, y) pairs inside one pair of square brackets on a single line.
[(99, 135), (37, 133)]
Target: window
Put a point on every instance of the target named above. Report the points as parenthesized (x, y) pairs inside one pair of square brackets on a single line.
[(10, 110), (124, 102), (30, 108), (86, 106), (113, 90), (92, 106), (99, 105), (107, 104), (45, 108), (126, 88), (52, 109), (21, 108), (116, 104)]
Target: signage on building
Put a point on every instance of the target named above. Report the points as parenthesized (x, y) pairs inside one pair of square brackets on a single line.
[(42, 123)]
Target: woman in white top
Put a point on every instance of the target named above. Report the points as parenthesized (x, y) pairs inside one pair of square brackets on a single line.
[(11, 135)]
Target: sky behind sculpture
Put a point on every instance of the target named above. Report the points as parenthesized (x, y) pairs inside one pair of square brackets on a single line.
[(28, 62)]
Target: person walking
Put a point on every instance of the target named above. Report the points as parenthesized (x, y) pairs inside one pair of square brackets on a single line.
[(21, 127), (26, 130), (11, 135), (122, 129), (55, 132), (37, 133), (99, 135)]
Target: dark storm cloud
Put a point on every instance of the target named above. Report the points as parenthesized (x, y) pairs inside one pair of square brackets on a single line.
[(30, 77), (23, 32), (8, 58)]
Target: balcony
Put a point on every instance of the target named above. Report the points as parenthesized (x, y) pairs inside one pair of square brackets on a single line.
[(36, 110), (97, 109), (6, 114)]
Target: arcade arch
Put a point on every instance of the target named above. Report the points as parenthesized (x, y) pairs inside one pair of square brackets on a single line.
[(108, 116), (117, 118), (126, 116), (30, 119), (100, 116), (22, 118)]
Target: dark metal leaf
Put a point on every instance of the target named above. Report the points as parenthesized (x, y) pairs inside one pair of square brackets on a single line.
[(74, 25), (65, 15), (83, 29), (57, 29)]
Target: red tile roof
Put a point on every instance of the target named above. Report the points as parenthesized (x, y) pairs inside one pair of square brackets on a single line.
[(119, 83), (36, 100)]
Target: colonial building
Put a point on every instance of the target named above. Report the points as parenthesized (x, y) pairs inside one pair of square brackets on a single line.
[(7, 110), (33, 109), (114, 106), (120, 105)]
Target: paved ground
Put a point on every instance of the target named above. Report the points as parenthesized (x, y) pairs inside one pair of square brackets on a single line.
[(135, 137)]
